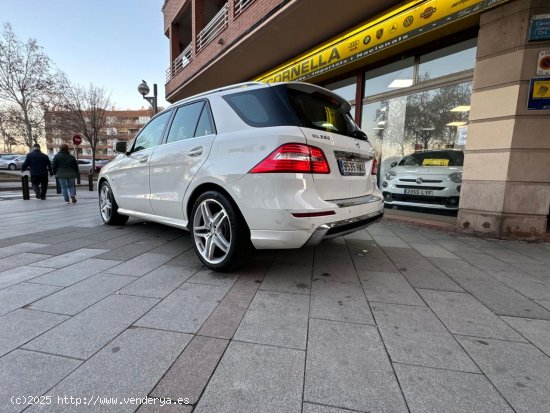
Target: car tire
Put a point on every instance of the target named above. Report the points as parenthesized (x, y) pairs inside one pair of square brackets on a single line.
[(108, 208), (12, 167), (220, 235)]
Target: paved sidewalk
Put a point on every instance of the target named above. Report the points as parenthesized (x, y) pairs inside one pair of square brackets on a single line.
[(392, 319)]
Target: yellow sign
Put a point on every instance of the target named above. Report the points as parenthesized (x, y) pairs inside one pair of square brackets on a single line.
[(435, 162), (541, 89), (411, 20)]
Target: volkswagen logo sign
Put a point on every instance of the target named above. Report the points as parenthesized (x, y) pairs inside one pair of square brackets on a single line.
[(419, 181), (357, 144)]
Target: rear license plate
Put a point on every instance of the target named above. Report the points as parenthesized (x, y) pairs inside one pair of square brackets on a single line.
[(351, 167), (424, 192)]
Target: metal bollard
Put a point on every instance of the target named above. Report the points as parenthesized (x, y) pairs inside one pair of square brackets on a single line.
[(57, 186), (25, 187), (91, 181)]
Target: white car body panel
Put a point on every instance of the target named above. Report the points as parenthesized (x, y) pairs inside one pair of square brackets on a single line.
[(172, 168), (129, 176)]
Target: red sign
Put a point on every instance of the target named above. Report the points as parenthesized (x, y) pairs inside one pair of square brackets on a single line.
[(77, 139)]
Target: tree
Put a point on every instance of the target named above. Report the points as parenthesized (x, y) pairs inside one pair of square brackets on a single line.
[(28, 82), (10, 129), (85, 112)]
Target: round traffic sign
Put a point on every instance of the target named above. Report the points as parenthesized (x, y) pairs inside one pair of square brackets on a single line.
[(77, 139)]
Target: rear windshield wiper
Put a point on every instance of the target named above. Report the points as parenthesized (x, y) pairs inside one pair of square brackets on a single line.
[(359, 134)]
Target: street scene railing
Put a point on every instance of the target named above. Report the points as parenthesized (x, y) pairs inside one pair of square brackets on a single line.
[(240, 5), (213, 28), (179, 62)]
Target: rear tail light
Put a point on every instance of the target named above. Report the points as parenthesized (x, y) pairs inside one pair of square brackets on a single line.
[(374, 167), (294, 157)]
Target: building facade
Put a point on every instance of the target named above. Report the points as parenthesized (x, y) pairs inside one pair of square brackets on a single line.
[(120, 125), (472, 75)]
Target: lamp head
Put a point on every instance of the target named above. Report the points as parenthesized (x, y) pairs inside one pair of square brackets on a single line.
[(143, 88)]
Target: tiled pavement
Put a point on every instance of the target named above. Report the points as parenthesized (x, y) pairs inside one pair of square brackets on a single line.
[(392, 319)]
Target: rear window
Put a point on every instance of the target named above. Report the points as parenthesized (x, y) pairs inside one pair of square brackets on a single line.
[(318, 111), (435, 158), (284, 106), (260, 108)]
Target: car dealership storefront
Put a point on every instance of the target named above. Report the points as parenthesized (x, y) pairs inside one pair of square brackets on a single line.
[(446, 75), (418, 98)]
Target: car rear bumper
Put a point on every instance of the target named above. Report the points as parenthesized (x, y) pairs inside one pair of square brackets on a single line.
[(346, 226)]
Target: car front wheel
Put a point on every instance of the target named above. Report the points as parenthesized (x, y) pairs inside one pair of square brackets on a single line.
[(12, 167), (221, 237), (108, 207)]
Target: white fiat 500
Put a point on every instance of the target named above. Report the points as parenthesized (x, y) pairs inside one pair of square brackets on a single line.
[(250, 165), (427, 179)]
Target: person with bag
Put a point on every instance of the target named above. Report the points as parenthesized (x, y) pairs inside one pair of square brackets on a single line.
[(65, 169), (39, 165)]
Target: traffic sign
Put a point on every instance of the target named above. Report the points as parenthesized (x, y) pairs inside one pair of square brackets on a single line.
[(77, 139)]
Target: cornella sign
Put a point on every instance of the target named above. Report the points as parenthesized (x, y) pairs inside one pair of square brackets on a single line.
[(404, 23)]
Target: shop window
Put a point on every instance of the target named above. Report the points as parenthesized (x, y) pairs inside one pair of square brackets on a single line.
[(345, 88), (389, 78), (430, 119), (453, 59)]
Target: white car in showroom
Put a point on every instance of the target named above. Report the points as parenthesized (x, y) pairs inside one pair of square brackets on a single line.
[(278, 165), (427, 179)]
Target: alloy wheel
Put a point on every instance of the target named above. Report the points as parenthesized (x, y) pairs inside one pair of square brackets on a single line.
[(105, 204), (212, 231)]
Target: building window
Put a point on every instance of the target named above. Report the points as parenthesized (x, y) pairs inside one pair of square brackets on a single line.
[(142, 120), (449, 60), (429, 119), (397, 75), (345, 88)]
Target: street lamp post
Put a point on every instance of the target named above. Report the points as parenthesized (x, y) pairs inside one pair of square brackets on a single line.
[(143, 89)]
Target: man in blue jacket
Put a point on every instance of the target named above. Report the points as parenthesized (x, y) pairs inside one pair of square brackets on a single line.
[(40, 167)]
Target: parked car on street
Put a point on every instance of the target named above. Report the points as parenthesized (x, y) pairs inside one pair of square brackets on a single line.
[(12, 162), (279, 165), (100, 163), (427, 179), (84, 166)]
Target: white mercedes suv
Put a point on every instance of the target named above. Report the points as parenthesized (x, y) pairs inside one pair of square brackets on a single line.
[(278, 165)]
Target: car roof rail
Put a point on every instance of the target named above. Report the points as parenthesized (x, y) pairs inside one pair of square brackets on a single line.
[(224, 88)]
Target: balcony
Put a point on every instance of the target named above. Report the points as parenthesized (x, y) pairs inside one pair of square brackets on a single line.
[(240, 5), (213, 28), (179, 62)]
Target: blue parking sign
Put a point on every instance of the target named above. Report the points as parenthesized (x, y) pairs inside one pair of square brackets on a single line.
[(540, 28)]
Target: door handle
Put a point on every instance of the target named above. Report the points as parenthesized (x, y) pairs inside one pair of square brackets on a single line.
[(195, 151), (143, 159)]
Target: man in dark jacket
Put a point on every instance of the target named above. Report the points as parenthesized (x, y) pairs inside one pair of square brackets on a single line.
[(40, 166)]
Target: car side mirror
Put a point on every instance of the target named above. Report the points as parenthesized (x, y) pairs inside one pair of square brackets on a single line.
[(394, 163), (120, 147)]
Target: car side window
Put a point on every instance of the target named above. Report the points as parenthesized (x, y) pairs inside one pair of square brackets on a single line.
[(151, 134), (185, 122), (205, 125)]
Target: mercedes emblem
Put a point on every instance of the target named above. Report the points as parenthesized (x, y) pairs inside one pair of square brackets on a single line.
[(419, 181)]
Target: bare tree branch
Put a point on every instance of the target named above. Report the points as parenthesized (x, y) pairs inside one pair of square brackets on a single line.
[(28, 81), (85, 111)]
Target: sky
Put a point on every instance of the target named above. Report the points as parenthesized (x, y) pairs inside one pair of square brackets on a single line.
[(114, 44)]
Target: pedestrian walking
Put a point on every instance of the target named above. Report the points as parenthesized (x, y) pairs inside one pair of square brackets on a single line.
[(66, 170), (40, 166)]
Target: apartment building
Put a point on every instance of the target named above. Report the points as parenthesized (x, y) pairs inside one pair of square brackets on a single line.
[(120, 125)]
